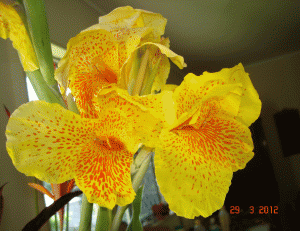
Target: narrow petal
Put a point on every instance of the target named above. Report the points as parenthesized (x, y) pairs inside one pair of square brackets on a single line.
[(194, 163), (12, 26), (42, 189), (44, 140), (70, 185)]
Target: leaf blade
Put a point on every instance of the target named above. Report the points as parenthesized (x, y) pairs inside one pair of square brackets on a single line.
[(49, 211)]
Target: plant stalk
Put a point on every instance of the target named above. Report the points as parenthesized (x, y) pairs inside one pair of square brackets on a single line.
[(103, 219), (85, 214)]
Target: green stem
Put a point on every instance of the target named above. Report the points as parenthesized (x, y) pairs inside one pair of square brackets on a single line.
[(67, 218), (85, 214), (156, 186), (134, 71), (118, 218), (147, 86), (39, 32), (141, 75), (103, 219), (42, 90), (138, 178), (55, 223)]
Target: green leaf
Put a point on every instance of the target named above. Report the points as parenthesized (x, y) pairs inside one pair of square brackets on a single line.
[(1, 201), (48, 212), (135, 224), (39, 32)]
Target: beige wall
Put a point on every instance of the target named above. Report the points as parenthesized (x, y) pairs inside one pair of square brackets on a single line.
[(66, 19), (278, 83)]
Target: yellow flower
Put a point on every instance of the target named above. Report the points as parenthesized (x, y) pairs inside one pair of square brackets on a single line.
[(210, 140), (12, 26), (55, 145), (96, 56)]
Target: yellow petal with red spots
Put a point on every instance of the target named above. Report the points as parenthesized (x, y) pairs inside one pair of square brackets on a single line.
[(133, 18), (55, 145), (93, 60), (104, 176), (195, 88), (44, 140), (12, 26), (162, 107), (194, 164), (158, 65), (142, 121), (250, 106)]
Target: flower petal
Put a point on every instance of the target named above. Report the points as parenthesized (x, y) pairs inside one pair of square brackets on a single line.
[(195, 88), (44, 140), (194, 164), (161, 106), (105, 177), (91, 62), (55, 145), (12, 26), (132, 18), (42, 189), (141, 121), (70, 185)]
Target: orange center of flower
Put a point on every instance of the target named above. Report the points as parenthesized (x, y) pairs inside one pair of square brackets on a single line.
[(89, 83), (110, 143), (182, 126)]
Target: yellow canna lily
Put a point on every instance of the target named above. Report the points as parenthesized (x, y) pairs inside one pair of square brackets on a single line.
[(96, 56), (210, 140), (55, 145), (12, 26)]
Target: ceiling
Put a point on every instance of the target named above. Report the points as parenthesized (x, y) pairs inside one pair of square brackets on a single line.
[(214, 34)]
